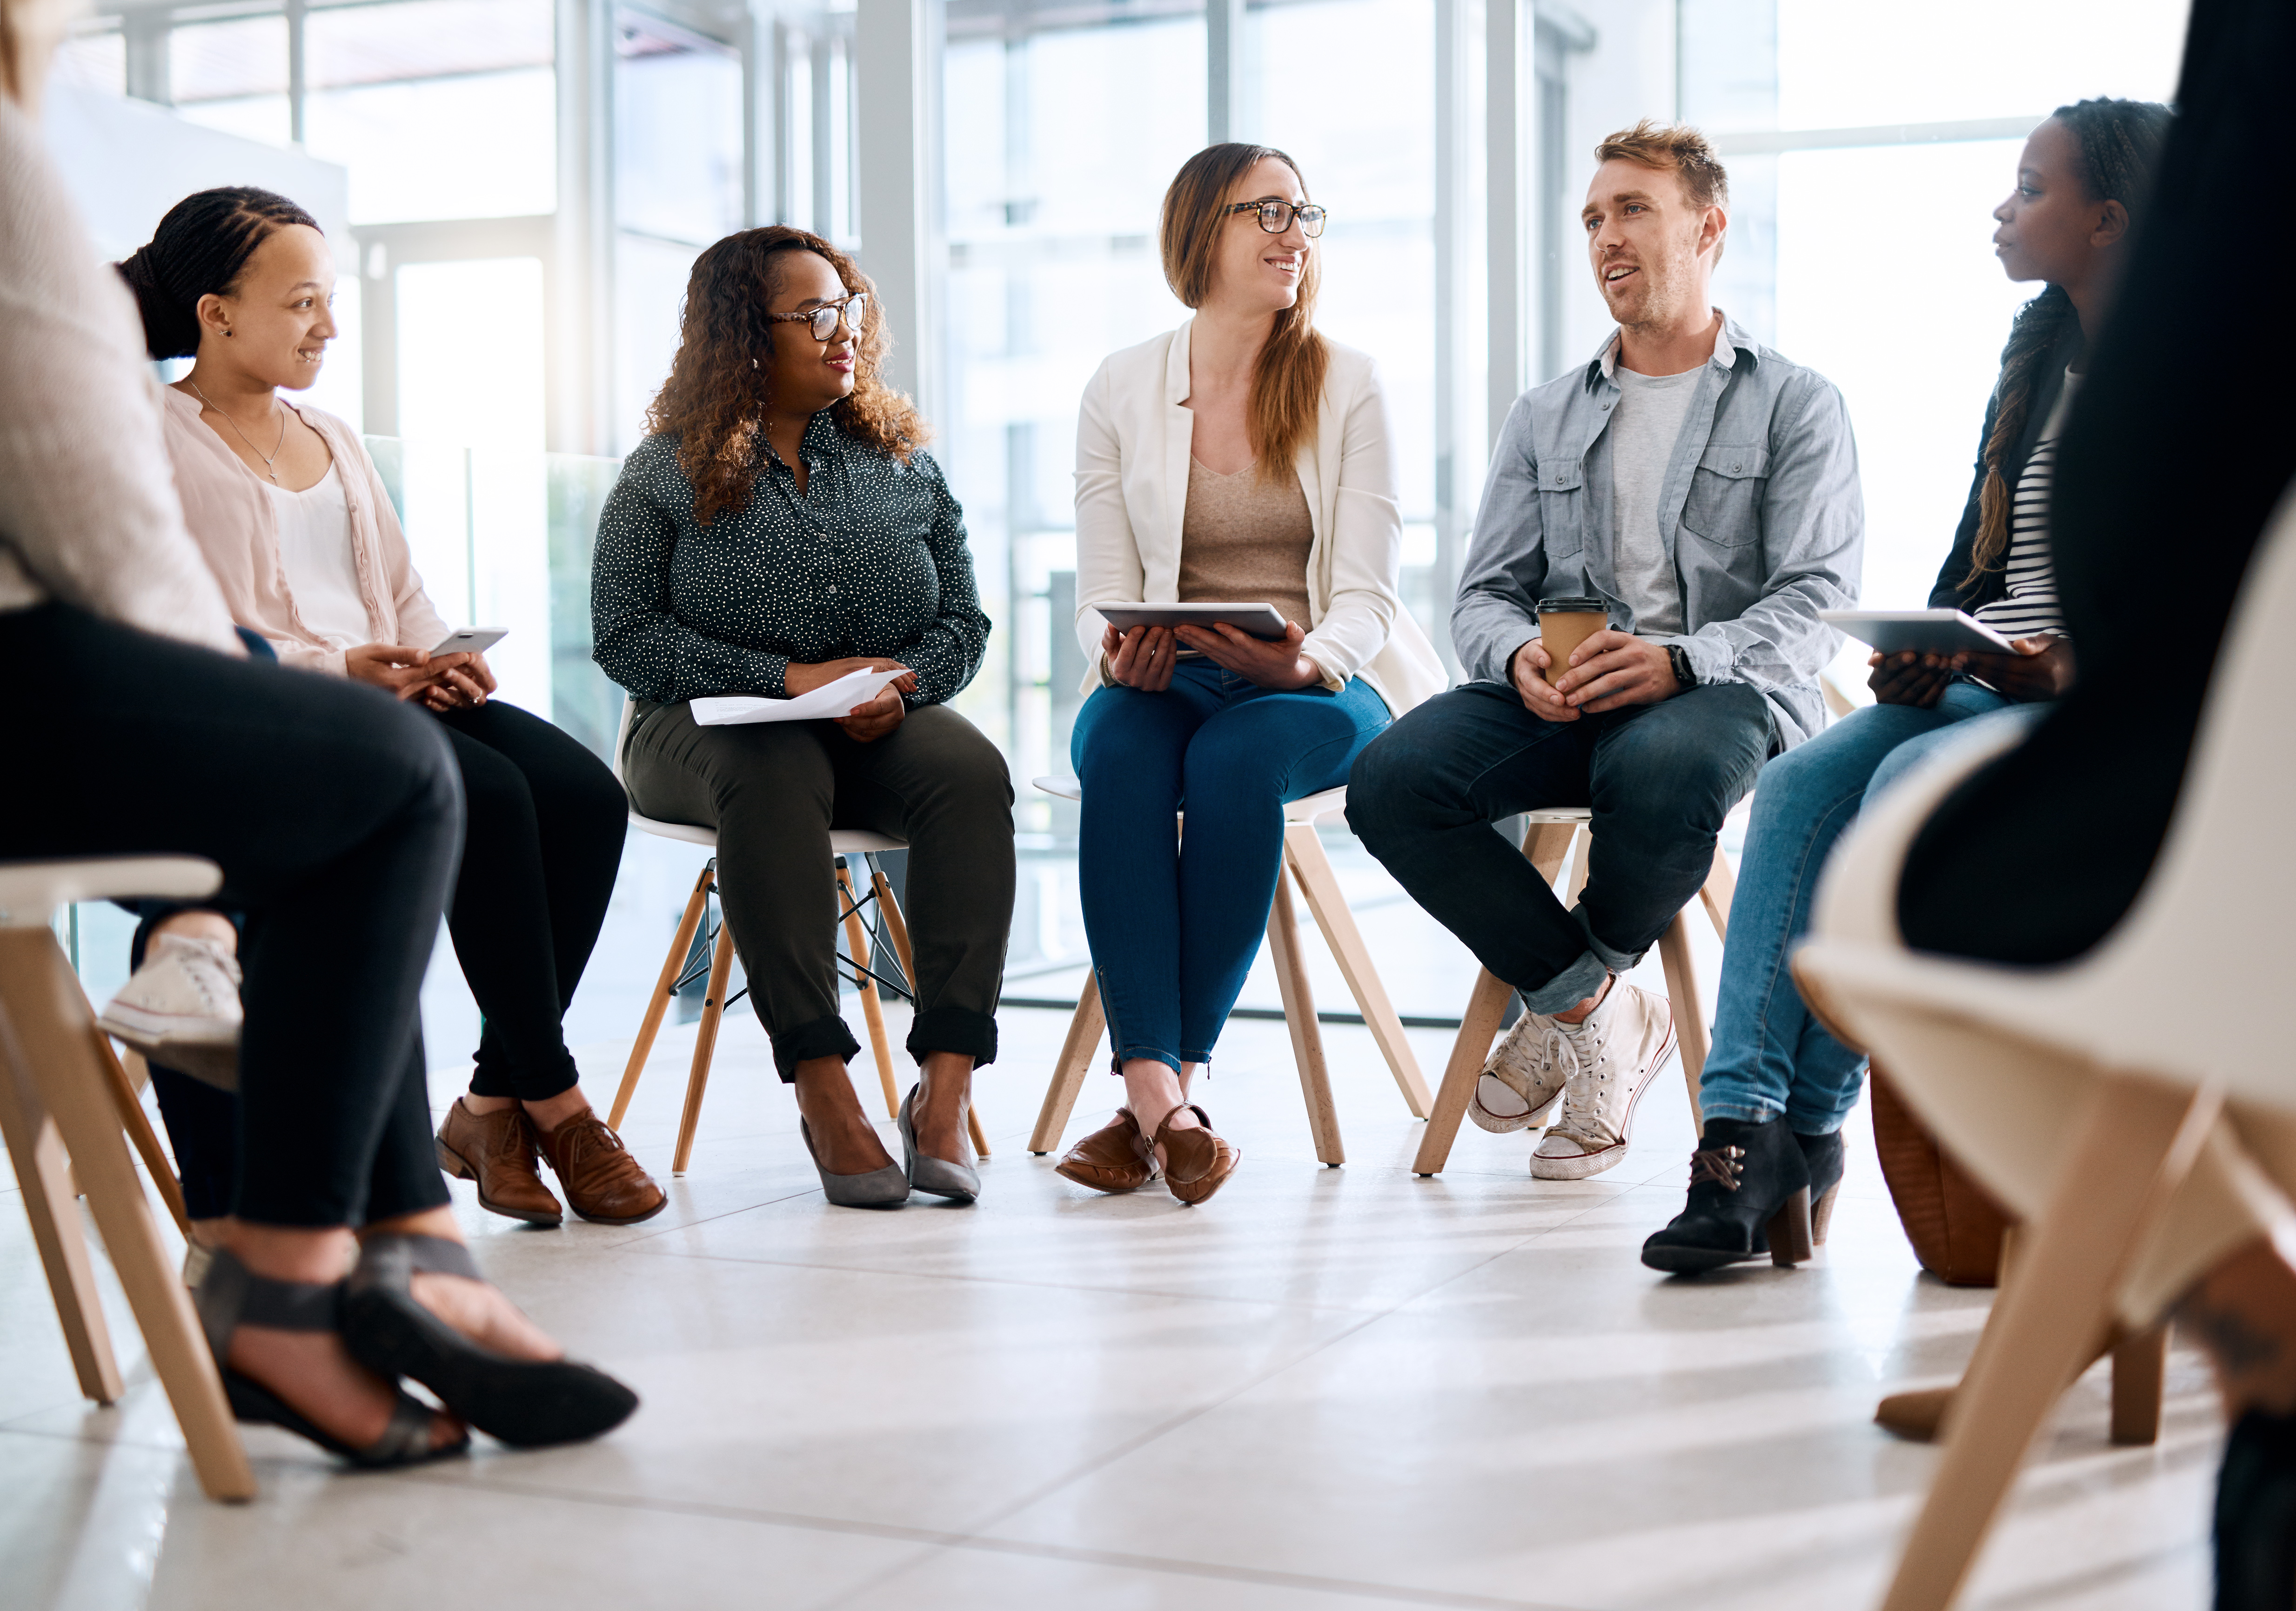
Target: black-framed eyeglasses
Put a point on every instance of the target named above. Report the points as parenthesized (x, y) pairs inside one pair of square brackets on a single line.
[(1275, 216), (824, 318)]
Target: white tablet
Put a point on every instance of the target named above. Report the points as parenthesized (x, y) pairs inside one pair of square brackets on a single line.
[(1260, 620), (1919, 631)]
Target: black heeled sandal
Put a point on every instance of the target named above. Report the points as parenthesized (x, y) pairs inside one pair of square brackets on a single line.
[(526, 1403), (230, 1296), (1749, 1196)]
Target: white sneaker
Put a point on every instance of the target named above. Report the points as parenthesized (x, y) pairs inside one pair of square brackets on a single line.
[(1623, 1043), (1524, 1077), (181, 1009)]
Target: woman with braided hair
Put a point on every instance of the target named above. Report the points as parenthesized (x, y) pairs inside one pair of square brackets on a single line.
[(1777, 1087), (292, 518), (782, 527)]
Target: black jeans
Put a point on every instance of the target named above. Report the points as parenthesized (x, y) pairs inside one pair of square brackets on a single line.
[(545, 825), (1660, 778), (773, 791), (335, 814)]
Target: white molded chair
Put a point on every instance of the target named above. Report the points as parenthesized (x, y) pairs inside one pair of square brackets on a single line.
[(62, 1094), (846, 844), (1303, 853), (2091, 1088), (1547, 840)]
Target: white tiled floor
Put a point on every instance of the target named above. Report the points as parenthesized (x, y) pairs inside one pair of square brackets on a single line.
[(1327, 1388)]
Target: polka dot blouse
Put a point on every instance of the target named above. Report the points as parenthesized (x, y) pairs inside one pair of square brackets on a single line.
[(869, 559)]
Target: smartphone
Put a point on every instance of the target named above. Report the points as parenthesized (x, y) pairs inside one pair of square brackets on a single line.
[(472, 640)]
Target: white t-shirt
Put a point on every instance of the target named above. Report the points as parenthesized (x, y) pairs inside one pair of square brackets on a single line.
[(1650, 411), (315, 546)]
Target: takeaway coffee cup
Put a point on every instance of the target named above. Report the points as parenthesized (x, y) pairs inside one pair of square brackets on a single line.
[(1564, 624)]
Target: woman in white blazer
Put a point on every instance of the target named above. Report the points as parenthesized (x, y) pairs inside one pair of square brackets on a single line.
[(1241, 458)]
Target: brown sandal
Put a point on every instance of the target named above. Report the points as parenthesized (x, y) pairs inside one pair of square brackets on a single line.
[(1196, 1161)]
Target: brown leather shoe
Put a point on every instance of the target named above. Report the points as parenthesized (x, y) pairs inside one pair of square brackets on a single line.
[(1196, 1161), (602, 1181), (1113, 1159), (497, 1150)]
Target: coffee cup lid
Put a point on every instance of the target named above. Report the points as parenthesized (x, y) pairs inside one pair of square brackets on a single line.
[(1554, 607)]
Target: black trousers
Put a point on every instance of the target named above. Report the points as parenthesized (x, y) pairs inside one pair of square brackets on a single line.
[(335, 814), (545, 823), (774, 791), (2156, 512)]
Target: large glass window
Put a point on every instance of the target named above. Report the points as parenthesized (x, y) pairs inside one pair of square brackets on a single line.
[(440, 108), (232, 75)]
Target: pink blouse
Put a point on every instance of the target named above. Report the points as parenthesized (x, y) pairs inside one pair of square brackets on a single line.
[(231, 517)]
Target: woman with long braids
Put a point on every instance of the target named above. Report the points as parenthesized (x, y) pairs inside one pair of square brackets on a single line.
[(781, 527), (1777, 1087), (1241, 458), (292, 515)]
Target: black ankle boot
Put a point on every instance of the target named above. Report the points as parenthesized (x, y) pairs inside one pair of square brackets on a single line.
[(1749, 1195), (2256, 1514), (1823, 1154)]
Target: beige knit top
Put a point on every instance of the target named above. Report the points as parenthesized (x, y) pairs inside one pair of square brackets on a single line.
[(1245, 542)]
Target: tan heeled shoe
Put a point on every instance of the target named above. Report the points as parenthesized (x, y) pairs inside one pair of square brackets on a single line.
[(1196, 1161)]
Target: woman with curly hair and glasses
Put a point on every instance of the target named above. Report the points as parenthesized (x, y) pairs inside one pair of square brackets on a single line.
[(781, 527)]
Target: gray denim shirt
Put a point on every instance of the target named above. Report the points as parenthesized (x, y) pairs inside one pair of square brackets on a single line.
[(1761, 515)]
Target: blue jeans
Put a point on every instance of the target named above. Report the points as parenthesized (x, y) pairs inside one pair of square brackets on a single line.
[(1770, 1056), (1175, 919), (1658, 778)]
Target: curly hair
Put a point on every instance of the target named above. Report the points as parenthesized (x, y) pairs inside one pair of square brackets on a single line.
[(200, 247), (2119, 143), (714, 402), (1287, 378)]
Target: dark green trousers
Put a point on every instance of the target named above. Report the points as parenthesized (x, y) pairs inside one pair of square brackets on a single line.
[(774, 791)]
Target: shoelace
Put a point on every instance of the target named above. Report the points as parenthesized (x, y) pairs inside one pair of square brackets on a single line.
[(1720, 1165), (214, 977)]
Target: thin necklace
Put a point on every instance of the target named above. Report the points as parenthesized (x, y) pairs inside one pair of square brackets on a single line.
[(251, 447)]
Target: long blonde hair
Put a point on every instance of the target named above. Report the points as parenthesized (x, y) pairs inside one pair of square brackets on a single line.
[(1287, 378)]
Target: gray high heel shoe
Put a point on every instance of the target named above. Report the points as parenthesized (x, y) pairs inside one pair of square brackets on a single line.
[(886, 1188), (960, 1183)]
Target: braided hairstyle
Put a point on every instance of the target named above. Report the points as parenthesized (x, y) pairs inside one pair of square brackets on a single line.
[(200, 247), (715, 399), (2120, 143)]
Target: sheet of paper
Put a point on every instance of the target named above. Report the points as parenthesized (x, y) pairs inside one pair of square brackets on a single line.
[(830, 699)]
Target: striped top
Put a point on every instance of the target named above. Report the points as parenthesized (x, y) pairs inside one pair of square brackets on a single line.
[(2029, 607)]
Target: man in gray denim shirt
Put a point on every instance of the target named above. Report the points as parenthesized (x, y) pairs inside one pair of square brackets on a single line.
[(1711, 559)]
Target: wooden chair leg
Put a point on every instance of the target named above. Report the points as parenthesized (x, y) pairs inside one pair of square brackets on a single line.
[(138, 1124), (1720, 888), (1299, 1015), (664, 989), (53, 1040), (1689, 1011), (2133, 1144), (2140, 1381), (1069, 1071), (1304, 850), (705, 1047), (897, 925), (873, 1009), (50, 1203), (1546, 845), (1479, 1026)]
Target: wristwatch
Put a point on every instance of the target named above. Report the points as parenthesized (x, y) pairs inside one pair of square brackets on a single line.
[(1678, 657)]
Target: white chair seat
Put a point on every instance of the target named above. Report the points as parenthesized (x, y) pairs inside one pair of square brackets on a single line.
[(31, 891), (842, 841), (1326, 806)]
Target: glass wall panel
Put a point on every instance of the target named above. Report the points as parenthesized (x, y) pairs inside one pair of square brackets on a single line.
[(677, 133), (232, 75), (440, 108), (95, 59)]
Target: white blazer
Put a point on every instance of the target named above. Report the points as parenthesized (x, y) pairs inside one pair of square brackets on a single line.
[(1133, 443)]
